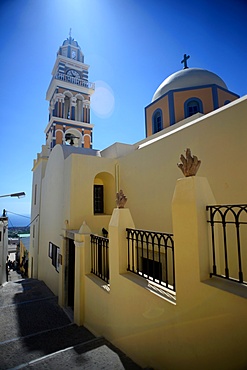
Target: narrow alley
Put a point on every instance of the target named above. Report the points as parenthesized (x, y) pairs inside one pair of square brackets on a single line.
[(37, 333)]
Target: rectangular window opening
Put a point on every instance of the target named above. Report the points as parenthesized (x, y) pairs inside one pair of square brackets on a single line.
[(152, 268), (35, 194), (98, 199)]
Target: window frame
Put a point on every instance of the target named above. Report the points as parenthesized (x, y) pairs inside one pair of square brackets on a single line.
[(187, 105), (35, 194), (157, 126), (54, 255), (98, 204)]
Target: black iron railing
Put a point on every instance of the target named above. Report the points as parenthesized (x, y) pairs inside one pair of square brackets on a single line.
[(151, 255), (100, 257), (229, 241)]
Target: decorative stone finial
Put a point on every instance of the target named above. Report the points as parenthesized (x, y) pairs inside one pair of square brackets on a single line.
[(121, 199), (84, 229), (190, 164)]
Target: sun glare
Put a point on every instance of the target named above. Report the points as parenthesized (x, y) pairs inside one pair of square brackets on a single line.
[(103, 101)]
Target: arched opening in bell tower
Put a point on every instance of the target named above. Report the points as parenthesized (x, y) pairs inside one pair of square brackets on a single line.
[(67, 104), (73, 137), (79, 108)]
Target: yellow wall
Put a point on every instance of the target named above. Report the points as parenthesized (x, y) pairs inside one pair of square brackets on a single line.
[(80, 172), (23, 251), (148, 175), (130, 314), (67, 201), (201, 330)]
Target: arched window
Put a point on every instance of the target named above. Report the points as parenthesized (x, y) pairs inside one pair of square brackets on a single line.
[(98, 199), (103, 194), (157, 121), (192, 106)]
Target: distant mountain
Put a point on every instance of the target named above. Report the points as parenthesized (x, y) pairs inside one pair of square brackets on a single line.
[(16, 220)]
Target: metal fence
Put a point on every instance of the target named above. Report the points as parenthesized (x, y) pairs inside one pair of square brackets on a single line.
[(151, 256), (100, 257), (229, 241)]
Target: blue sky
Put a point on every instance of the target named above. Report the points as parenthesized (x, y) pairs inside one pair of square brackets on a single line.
[(131, 47)]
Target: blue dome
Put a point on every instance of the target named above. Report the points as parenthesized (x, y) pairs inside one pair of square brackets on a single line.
[(70, 41), (187, 78), (71, 49)]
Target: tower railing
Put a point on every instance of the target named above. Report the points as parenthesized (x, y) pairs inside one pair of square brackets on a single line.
[(74, 80)]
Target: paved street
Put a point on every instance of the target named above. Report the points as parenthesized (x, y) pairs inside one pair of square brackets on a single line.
[(36, 333)]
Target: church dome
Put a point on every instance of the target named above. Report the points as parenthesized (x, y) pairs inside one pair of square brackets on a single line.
[(187, 78)]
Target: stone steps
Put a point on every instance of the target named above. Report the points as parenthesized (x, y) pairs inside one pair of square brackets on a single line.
[(35, 332), (96, 354)]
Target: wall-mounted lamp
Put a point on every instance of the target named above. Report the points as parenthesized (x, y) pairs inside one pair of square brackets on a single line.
[(18, 195)]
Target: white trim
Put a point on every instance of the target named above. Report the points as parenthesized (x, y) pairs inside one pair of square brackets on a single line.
[(189, 121), (70, 63), (69, 93), (65, 121), (67, 85), (79, 95)]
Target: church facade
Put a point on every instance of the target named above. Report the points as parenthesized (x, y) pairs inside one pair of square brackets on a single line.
[(75, 186)]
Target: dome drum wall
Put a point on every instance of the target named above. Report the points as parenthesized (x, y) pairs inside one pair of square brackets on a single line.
[(181, 97), (163, 105), (225, 96)]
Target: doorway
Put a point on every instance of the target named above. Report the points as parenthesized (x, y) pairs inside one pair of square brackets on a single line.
[(71, 272)]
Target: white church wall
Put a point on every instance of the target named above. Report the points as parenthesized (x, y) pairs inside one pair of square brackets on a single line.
[(38, 174), (51, 216)]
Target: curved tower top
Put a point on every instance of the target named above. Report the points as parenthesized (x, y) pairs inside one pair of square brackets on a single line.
[(71, 49)]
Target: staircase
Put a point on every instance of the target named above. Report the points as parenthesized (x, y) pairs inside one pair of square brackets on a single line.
[(36, 333)]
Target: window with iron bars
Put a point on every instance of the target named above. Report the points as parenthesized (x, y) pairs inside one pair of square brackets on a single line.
[(228, 241), (100, 257), (151, 256)]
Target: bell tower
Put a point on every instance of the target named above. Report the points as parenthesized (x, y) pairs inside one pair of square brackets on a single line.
[(69, 95)]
